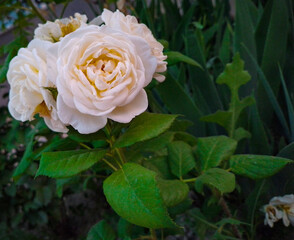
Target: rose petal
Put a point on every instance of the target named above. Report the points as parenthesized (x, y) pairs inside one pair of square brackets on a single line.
[(83, 123), (125, 114)]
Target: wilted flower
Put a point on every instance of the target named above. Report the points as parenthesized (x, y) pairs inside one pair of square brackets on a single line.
[(272, 215), (280, 208), (54, 31)]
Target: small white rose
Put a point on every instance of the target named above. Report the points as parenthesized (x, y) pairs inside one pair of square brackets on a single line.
[(54, 31), (27, 76), (272, 215), (282, 208), (129, 24), (101, 74)]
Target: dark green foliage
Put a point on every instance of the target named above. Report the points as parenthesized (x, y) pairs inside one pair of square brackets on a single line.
[(230, 72)]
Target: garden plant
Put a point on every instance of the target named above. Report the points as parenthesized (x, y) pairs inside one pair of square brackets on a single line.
[(154, 120)]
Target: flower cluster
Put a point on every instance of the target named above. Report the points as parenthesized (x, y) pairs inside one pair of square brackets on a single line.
[(81, 74), (280, 208)]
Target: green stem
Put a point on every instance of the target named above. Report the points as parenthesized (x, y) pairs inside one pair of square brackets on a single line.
[(63, 9), (109, 164), (120, 155), (211, 224), (85, 146), (254, 208), (36, 11), (189, 180), (104, 160), (111, 140), (153, 234)]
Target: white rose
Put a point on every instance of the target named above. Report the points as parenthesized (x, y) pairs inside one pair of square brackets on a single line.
[(101, 74), (129, 24), (286, 204), (27, 76), (272, 215), (54, 31)]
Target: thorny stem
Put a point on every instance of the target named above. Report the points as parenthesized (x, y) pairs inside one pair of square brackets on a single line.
[(36, 11), (227, 211)]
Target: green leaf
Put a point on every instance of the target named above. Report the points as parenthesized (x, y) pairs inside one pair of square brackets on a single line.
[(144, 127), (28, 154), (176, 57), (60, 183), (178, 33), (154, 144), (160, 165), (240, 133), (211, 151), (134, 195), (76, 136), (234, 77), (181, 158), (244, 35), (272, 34), (68, 163), (230, 221), (4, 68), (174, 95), (185, 137), (257, 166), (53, 91), (222, 118), (172, 191), (44, 195), (101, 231), (225, 49), (271, 96), (219, 178), (204, 85), (289, 104), (259, 143), (287, 151)]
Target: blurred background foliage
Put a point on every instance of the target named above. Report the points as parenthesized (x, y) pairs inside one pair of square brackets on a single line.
[(208, 33)]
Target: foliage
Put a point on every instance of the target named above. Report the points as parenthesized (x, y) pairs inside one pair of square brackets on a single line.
[(202, 157)]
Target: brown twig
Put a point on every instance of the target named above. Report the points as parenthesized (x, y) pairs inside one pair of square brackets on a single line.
[(227, 211)]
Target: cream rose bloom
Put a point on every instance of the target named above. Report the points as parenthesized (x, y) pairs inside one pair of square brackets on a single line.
[(27, 76), (54, 31), (272, 215), (280, 208), (129, 24), (100, 74), (286, 205)]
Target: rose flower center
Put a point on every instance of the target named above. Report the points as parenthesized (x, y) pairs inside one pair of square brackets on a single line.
[(105, 71)]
